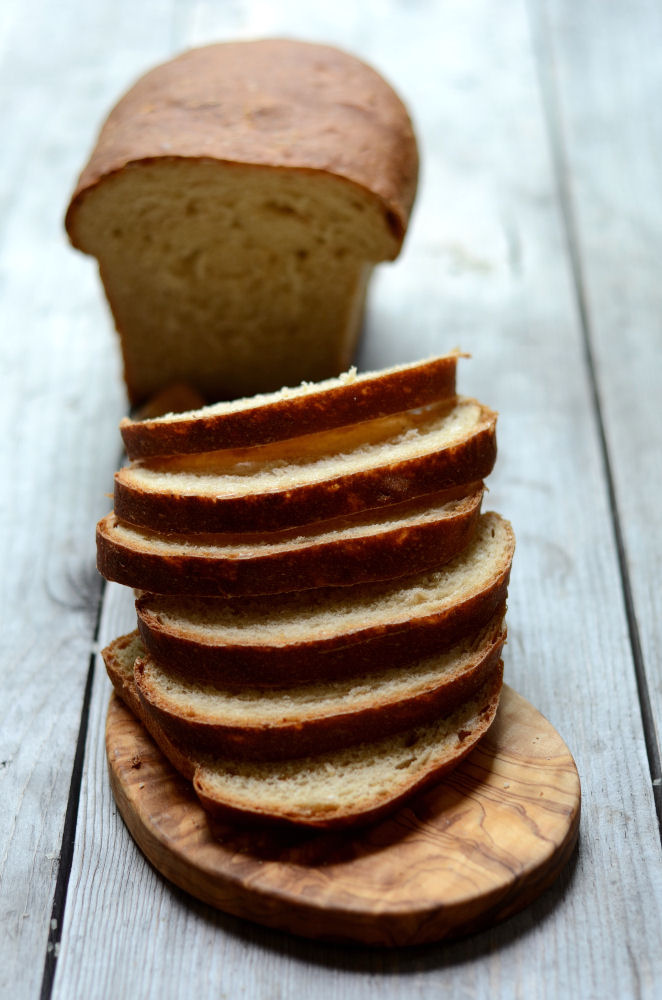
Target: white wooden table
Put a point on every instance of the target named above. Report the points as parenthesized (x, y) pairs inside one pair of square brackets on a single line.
[(537, 246)]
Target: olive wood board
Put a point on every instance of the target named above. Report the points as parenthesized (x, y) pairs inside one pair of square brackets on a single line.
[(468, 852)]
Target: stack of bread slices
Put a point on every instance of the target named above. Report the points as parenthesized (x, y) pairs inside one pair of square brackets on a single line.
[(320, 601)]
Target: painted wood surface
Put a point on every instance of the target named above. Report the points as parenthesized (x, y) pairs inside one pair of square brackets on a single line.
[(479, 847), (534, 246)]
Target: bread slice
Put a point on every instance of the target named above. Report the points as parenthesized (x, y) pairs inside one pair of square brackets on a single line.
[(382, 545), (348, 787), (237, 200), (331, 790), (311, 478), (332, 632), (291, 412), (251, 723)]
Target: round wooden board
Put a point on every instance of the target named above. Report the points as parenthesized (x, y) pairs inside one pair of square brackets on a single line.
[(470, 852)]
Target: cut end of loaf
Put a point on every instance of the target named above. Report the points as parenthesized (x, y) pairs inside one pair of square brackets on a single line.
[(234, 280)]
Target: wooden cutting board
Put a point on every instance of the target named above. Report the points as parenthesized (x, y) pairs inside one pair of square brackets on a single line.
[(464, 855)]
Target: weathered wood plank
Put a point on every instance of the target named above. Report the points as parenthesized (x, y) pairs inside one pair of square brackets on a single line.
[(486, 266), (60, 403), (603, 80)]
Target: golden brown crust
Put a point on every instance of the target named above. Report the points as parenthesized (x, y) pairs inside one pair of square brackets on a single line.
[(466, 462), (384, 555), (273, 104), (348, 403), (283, 740), (122, 682)]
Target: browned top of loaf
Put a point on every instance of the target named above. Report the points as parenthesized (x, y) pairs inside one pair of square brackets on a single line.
[(271, 103)]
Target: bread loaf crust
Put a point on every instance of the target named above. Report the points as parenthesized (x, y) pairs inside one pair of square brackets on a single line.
[(324, 732), (461, 464), (383, 555), (350, 402), (274, 103)]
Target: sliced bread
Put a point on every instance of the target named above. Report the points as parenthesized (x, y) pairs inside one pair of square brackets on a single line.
[(329, 790), (380, 545), (331, 632), (311, 478), (291, 412), (251, 723)]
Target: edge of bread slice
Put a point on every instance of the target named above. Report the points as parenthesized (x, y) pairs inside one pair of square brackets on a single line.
[(119, 658), (380, 545), (330, 632), (290, 412), (314, 477)]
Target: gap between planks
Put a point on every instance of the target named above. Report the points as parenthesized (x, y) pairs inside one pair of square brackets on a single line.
[(544, 58), (70, 823)]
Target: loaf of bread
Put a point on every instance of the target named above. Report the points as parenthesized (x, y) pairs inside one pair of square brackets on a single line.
[(237, 200)]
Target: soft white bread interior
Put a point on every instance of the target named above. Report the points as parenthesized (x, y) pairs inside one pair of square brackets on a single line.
[(232, 279)]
